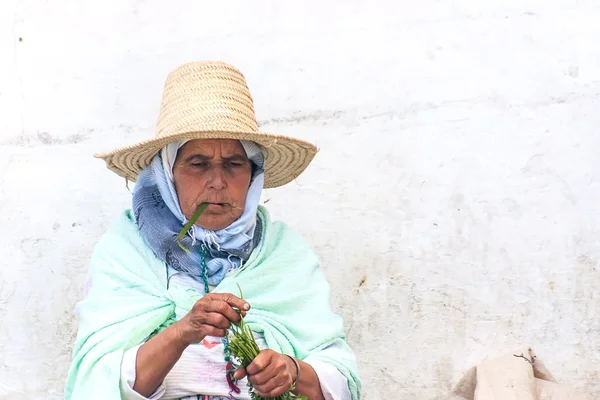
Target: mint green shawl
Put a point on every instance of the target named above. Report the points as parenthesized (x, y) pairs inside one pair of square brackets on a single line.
[(128, 301)]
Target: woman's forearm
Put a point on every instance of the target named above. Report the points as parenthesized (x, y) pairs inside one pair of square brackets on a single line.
[(308, 384), (155, 359)]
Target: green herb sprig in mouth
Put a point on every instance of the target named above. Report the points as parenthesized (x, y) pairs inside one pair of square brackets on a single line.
[(189, 225), (186, 228)]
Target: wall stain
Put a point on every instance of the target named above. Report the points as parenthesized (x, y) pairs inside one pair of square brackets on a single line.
[(587, 262), (301, 117), (44, 139), (362, 281)]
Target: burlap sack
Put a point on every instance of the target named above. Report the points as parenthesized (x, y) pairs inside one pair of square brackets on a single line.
[(515, 376)]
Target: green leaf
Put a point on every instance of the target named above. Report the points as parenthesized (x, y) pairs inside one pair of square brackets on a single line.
[(189, 225)]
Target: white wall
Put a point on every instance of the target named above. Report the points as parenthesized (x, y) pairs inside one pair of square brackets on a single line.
[(455, 201)]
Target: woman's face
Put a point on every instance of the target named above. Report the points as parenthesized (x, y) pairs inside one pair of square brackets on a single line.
[(214, 171)]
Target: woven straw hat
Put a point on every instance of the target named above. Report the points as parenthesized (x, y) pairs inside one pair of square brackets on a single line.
[(211, 100)]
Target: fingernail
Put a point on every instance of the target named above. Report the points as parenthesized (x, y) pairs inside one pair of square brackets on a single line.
[(246, 306)]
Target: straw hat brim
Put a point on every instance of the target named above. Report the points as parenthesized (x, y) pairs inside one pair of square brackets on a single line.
[(285, 157)]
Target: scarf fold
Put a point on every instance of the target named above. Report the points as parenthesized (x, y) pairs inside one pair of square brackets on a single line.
[(128, 301), (160, 219)]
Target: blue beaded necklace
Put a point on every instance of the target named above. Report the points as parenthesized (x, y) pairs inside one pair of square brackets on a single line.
[(231, 365), (204, 272)]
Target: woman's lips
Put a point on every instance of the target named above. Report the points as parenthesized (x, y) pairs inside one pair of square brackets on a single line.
[(217, 206)]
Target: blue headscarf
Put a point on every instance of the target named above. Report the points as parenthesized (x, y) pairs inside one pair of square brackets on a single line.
[(159, 217)]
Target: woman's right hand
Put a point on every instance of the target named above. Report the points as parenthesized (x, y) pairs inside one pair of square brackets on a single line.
[(212, 315)]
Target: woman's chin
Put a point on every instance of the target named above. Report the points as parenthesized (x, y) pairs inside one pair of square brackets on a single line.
[(215, 222)]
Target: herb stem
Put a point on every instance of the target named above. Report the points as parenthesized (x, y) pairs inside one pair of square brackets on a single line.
[(189, 225)]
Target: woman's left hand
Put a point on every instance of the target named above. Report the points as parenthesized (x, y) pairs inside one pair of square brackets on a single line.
[(271, 374)]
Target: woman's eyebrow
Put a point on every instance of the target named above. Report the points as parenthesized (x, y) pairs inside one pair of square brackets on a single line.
[(197, 157), (236, 157), (203, 157)]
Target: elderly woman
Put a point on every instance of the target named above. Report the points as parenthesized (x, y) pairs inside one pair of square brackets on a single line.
[(157, 313)]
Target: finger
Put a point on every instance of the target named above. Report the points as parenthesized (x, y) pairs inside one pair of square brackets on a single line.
[(240, 373), (234, 301), (213, 331), (271, 391), (223, 308), (216, 320), (260, 362), (273, 374)]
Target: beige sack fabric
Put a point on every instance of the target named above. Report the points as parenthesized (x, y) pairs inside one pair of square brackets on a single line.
[(515, 376)]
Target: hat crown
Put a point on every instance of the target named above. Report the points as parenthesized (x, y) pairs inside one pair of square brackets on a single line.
[(211, 100), (206, 97)]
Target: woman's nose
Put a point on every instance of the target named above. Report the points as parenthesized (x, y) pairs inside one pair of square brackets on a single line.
[(217, 178)]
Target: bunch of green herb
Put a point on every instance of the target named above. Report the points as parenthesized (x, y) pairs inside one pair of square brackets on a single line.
[(242, 345), (241, 341)]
